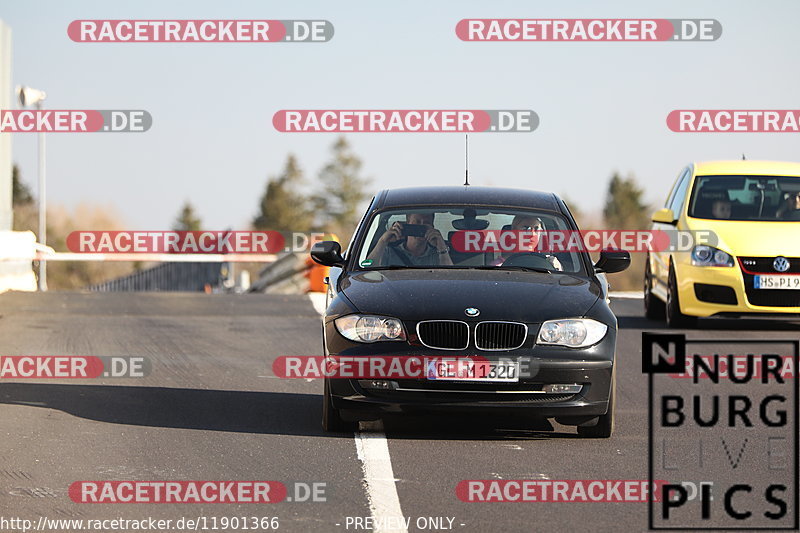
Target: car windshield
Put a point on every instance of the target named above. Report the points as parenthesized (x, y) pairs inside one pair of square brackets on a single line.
[(763, 198), (468, 237)]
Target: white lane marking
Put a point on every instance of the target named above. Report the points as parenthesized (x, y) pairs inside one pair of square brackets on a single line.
[(384, 504), (630, 295), (497, 475), (372, 449)]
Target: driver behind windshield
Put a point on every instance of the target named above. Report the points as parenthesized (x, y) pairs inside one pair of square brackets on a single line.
[(790, 210), (425, 247), (535, 224)]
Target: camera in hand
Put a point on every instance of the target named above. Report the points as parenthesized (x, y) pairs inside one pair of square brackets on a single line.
[(414, 230)]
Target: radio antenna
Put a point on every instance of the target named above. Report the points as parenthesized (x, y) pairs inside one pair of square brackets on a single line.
[(466, 160)]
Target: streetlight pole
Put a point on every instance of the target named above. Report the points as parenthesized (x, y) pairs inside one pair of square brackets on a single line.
[(34, 97)]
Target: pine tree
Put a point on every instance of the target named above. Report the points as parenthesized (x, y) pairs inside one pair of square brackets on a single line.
[(344, 192), (283, 207), (187, 219), (21, 194), (625, 210), (624, 207)]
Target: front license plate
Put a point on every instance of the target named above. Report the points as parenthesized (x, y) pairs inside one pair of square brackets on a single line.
[(776, 281), (466, 370)]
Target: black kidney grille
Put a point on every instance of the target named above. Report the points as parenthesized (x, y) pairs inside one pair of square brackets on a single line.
[(500, 335), (444, 334)]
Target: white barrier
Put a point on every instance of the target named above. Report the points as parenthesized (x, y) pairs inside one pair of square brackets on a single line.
[(17, 251), (47, 254)]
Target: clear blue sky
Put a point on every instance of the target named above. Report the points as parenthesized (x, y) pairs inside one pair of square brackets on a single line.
[(603, 106)]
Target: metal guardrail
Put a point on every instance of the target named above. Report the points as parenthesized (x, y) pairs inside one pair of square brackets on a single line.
[(183, 277), (287, 273), (292, 273)]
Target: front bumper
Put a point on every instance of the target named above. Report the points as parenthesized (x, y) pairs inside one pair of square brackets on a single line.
[(592, 368), (688, 275), (422, 396)]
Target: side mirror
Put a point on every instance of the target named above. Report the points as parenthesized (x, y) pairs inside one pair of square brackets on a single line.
[(613, 261), (664, 216), (327, 253)]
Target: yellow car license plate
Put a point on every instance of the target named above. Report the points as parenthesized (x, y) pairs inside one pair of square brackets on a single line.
[(776, 281)]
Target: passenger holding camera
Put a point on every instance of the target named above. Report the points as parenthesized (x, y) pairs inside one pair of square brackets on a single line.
[(408, 245)]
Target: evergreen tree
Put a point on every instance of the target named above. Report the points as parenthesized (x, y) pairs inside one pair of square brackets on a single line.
[(625, 210), (21, 194), (344, 192), (187, 219), (624, 207), (283, 207)]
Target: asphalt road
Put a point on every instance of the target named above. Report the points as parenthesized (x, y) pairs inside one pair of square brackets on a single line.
[(212, 410)]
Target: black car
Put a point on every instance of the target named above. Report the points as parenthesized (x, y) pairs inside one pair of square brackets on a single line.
[(524, 332)]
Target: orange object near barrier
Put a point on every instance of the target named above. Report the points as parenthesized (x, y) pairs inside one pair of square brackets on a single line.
[(316, 275)]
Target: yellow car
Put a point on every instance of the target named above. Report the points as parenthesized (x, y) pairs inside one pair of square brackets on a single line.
[(734, 249)]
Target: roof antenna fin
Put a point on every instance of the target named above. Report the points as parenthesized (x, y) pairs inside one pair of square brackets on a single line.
[(743, 157), (466, 160)]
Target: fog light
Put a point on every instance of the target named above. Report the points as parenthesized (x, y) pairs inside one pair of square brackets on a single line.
[(377, 384), (561, 388)]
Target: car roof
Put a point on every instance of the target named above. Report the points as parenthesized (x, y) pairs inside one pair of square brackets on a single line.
[(739, 166), (496, 196)]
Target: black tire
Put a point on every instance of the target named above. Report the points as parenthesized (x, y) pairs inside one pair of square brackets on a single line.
[(331, 419), (654, 309), (676, 319), (605, 423)]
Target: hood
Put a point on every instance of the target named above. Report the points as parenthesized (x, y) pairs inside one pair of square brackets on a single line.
[(755, 239), (420, 294)]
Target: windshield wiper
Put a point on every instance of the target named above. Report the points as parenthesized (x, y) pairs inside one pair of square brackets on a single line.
[(515, 267)]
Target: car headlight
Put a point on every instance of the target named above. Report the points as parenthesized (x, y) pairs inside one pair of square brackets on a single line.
[(368, 328), (703, 255), (572, 332)]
